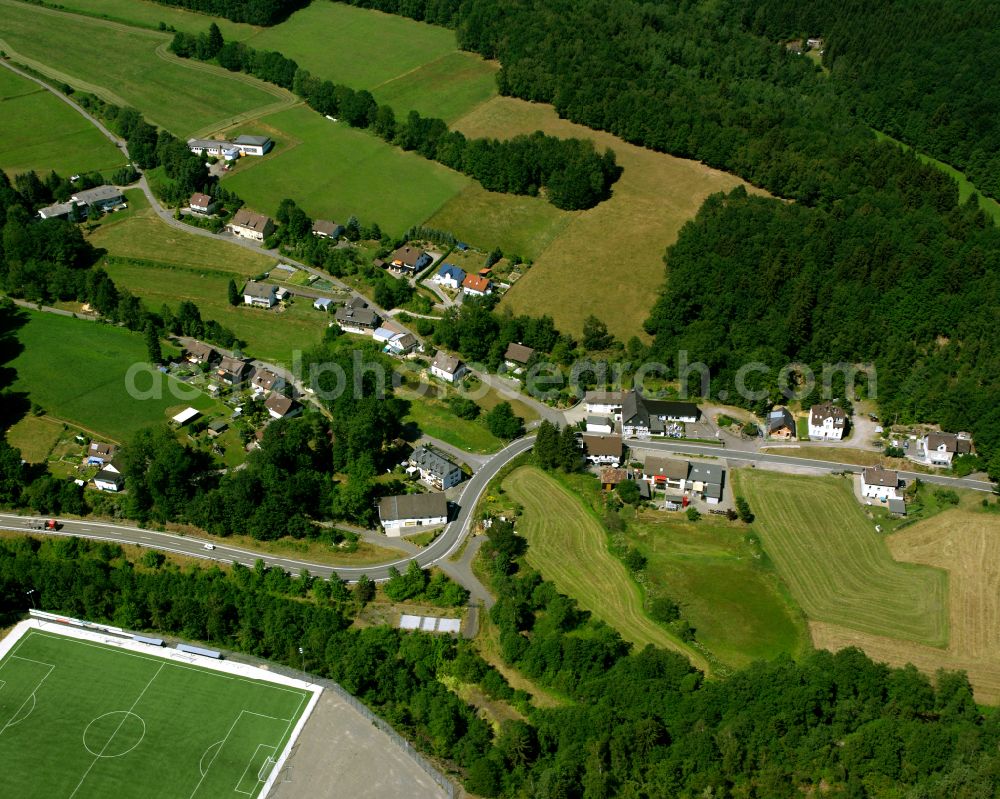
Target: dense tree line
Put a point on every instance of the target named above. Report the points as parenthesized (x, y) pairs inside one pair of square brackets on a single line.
[(266, 613), (571, 173), (254, 12), (435, 12), (926, 72), (910, 289)]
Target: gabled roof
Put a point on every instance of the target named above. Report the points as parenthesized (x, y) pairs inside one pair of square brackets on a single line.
[(327, 228), (665, 467), (413, 506), (446, 363), (599, 445), (200, 200), (476, 283), (279, 403), (951, 442), (201, 351), (264, 378), (604, 397), (260, 291), (636, 409), (236, 366), (612, 475), (879, 476), (109, 476), (827, 410), (250, 220), (518, 353), (253, 141), (433, 461), (452, 271), (407, 256), (98, 194), (779, 418), (102, 449), (353, 315)]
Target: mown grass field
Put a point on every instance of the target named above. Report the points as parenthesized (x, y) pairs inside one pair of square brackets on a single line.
[(739, 608), (836, 566), (144, 13), (569, 546), (76, 370), (35, 436), (337, 171), (40, 132), (127, 66), (607, 261)]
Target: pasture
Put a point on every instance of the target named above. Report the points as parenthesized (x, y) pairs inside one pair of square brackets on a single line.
[(739, 608), (147, 14), (608, 260), (361, 174), (85, 719), (965, 542), (35, 437), (40, 132), (569, 546), (836, 566), (181, 96), (76, 370), (434, 418)]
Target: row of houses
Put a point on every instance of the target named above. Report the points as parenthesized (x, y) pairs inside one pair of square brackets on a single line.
[(452, 277), (106, 198), (247, 224), (233, 372), (680, 481), (231, 150)]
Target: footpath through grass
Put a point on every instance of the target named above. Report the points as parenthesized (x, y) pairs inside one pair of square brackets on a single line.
[(570, 547), (86, 720), (835, 564)]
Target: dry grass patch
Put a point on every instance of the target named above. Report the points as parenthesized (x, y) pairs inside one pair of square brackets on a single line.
[(607, 261), (967, 544)]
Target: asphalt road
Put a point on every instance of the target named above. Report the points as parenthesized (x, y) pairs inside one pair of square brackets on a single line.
[(730, 454), (194, 546)]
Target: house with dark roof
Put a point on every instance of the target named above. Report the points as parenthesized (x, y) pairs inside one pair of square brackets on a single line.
[(706, 481), (264, 380), (603, 450), (260, 295), (600, 424), (356, 317), (643, 417), (103, 197), (447, 367), (604, 403), (940, 449), (325, 229), (410, 513), (665, 473), (435, 469), (827, 422), (100, 453), (880, 483), (780, 424), (409, 260), (248, 225), (281, 407), (253, 145), (68, 210), (202, 204), (198, 352), (517, 355), (110, 478), (232, 371), (610, 476), (449, 276)]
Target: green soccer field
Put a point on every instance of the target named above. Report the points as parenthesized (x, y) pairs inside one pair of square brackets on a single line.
[(82, 719)]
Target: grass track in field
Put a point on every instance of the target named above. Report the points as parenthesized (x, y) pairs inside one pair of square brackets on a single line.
[(76, 371), (837, 567), (189, 732), (131, 66), (568, 546), (40, 132)]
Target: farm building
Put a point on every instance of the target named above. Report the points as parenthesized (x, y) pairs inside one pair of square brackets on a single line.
[(260, 295), (827, 422), (410, 512), (248, 225)]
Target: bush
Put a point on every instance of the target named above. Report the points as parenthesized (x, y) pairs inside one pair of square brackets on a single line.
[(743, 510), (665, 610), (693, 514), (946, 496), (464, 408), (628, 492), (634, 560)]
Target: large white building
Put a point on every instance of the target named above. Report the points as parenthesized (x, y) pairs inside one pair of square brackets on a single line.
[(408, 513), (827, 422), (447, 367), (940, 449), (879, 483), (604, 403)]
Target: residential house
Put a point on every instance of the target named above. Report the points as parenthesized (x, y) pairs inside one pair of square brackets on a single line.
[(100, 453), (600, 424), (322, 304), (517, 355), (780, 424), (815, 43), (253, 145), (827, 422), (879, 483), (611, 476), (356, 317), (643, 417), (60, 211), (401, 344), (447, 367), (476, 286), (325, 229), (603, 450), (248, 225), (232, 371), (260, 295), (941, 448), (281, 407), (706, 480), (665, 473), (202, 204), (110, 478), (449, 276), (264, 380), (409, 260), (435, 469), (411, 512), (104, 197), (199, 352), (604, 403)]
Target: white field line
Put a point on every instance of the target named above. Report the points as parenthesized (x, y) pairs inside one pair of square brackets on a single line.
[(292, 738), (49, 666), (111, 737), (253, 758)]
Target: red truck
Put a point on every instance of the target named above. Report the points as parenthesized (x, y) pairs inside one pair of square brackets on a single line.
[(44, 524)]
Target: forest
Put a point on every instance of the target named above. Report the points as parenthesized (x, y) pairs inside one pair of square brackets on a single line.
[(255, 12), (570, 173), (935, 87)]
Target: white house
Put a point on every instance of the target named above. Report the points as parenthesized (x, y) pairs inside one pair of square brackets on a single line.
[(643, 417), (879, 483), (600, 424), (665, 473), (435, 469), (449, 276), (939, 449), (110, 478), (280, 407), (409, 513), (202, 204), (827, 422), (477, 286), (260, 295), (322, 303), (212, 147), (252, 145), (706, 480), (447, 367), (248, 225), (604, 403), (603, 450), (264, 380)]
